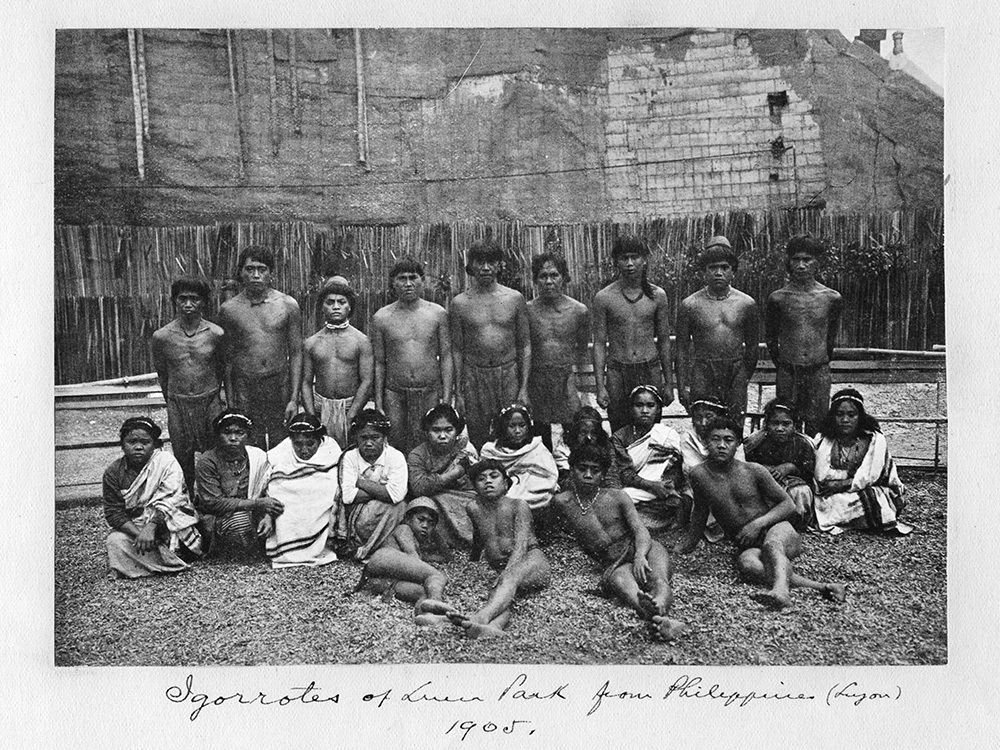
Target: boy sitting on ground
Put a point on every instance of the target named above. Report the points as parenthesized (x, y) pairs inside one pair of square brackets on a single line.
[(608, 528), (399, 568), (503, 530), (754, 512)]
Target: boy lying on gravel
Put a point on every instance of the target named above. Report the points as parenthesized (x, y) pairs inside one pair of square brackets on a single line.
[(754, 512), (608, 528), (399, 568), (503, 530)]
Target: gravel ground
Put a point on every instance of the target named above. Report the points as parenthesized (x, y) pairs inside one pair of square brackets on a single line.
[(242, 613)]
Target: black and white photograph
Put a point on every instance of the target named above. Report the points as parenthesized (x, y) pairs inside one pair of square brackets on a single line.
[(478, 379)]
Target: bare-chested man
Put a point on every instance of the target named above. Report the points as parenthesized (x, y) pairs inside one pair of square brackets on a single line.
[(754, 511), (490, 343), (800, 327), (717, 335), (504, 532), (560, 332), (337, 369), (605, 523), (412, 349), (263, 349), (631, 333), (187, 354)]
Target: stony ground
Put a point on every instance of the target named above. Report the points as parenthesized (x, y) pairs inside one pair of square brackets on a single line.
[(242, 613)]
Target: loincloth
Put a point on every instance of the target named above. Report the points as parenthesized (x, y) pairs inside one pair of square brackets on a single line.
[(263, 398), (332, 412), (189, 421), (627, 554), (548, 391), (485, 390), (406, 407)]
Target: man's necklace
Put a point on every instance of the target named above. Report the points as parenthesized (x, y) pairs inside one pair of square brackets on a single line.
[(337, 326), (233, 469), (585, 509), (629, 299), (193, 333), (718, 299)]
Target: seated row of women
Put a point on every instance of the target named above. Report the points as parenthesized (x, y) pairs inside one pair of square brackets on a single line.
[(307, 503)]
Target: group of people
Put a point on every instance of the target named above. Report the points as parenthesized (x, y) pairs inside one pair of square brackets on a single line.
[(479, 439)]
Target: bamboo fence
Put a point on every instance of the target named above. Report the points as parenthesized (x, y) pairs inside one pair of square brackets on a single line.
[(112, 283)]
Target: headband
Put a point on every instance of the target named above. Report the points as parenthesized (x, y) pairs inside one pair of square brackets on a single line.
[(717, 405), (232, 416), (847, 397), (142, 423), (306, 424), (649, 389)]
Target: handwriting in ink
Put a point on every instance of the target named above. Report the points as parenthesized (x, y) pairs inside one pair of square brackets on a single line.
[(422, 694), (528, 696), (851, 691), (605, 692), (488, 727), (305, 695), (691, 687)]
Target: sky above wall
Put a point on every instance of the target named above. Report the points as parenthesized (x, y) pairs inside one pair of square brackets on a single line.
[(925, 47)]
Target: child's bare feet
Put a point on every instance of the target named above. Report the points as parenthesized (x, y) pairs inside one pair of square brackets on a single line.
[(668, 629), (835, 591), (648, 604), (433, 606), (779, 599), (479, 630), (431, 621)]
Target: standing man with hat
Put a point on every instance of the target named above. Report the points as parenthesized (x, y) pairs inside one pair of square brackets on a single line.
[(718, 332)]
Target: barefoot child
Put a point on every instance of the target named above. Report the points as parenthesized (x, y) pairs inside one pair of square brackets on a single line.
[(605, 523), (505, 533), (337, 366), (754, 512), (399, 568), (152, 519)]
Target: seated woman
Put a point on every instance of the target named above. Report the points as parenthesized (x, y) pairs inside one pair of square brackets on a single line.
[(373, 479), (153, 521), (649, 461), (587, 428), (694, 443), (788, 455), (231, 480), (857, 483), (304, 479), (437, 471), (528, 463)]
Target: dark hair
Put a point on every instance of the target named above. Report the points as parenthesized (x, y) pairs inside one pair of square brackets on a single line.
[(257, 253), (228, 416), (482, 250), (631, 244), (710, 402), (502, 420), (442, 410), (590, 453), (305, 423), (335, 285), (549, 257), (407, 264), (866, 422), (724, 423), (586, 414), (141, 423), (479, 467), (805, 243), (194, 284), (371, 418), (719, 254), (774, 405)]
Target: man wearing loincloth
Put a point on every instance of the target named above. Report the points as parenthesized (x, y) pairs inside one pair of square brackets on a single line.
[(754, 511), (631, 333), (412, 351), (337, 367), (560, 332), (800, 327), (717, 335), (490, 343), (263, 344), (187, 355)]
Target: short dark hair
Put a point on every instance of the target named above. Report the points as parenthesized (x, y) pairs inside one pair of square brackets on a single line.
[(629, 243), (195, 284), (486, 464), (141, 423), (335, 286), (406, 264), (482, 250), (371, 418), (805, 243), (549, 257), (774, 405), (590, 453), (442, 410), (719, 254), (724, 423), (258, 253)]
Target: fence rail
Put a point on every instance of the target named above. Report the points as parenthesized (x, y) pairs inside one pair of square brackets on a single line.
[(112, 283)]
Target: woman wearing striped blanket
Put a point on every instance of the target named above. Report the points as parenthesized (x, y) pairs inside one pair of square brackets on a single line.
[(304, 480)]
